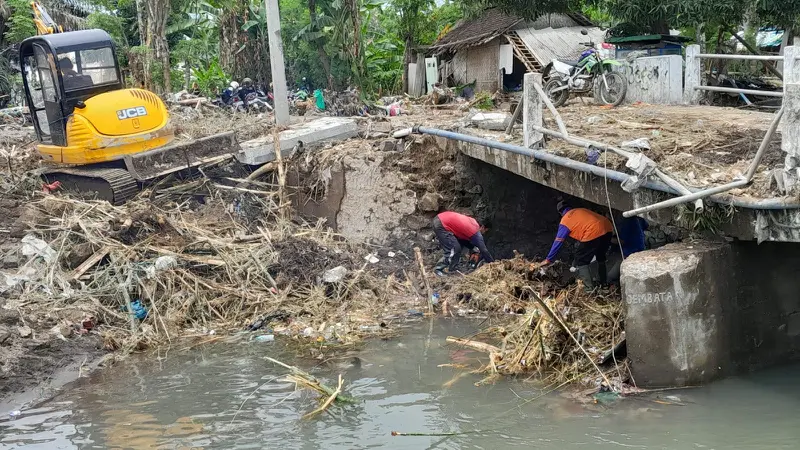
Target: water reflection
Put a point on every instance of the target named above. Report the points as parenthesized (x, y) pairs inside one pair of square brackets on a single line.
[(227, 396)]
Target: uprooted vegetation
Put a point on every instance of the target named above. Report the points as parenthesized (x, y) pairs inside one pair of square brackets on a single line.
[(192, 266), (552, 330)]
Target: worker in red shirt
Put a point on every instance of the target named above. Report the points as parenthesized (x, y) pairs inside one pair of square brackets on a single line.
[(454, 232), (593, 235)]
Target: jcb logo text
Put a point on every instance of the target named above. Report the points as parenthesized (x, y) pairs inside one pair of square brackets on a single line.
[(130, 113)]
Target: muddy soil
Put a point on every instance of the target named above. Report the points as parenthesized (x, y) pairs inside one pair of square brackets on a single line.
[(32, 353)]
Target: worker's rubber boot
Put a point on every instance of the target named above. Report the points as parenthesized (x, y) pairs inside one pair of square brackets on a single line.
[(602, 273), (585, 275), (442, 267)]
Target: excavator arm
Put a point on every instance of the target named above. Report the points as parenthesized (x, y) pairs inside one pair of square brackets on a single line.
[(44, 23)]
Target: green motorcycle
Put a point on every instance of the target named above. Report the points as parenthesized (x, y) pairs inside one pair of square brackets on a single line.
[(590, 74)]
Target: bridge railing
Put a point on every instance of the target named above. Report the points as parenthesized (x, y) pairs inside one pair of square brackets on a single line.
[(693, 81)]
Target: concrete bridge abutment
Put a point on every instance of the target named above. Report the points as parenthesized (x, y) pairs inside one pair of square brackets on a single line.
[(699, 311)]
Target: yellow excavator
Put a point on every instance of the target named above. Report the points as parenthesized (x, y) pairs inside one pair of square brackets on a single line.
[(99, 136)]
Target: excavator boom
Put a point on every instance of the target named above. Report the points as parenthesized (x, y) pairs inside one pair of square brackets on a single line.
[(44, 23)]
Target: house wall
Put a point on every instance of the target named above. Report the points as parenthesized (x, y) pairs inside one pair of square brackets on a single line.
[(483, 66), (460, 67)]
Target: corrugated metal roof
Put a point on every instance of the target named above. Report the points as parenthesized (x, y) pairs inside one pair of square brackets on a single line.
[(548, 44)]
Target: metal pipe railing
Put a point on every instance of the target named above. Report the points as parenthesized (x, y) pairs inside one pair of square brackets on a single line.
[(740, 91), (741, 57), (739, 202), (751, 171), (581, 142)]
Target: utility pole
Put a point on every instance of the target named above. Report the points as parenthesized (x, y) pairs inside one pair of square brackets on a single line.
[(276, 59)]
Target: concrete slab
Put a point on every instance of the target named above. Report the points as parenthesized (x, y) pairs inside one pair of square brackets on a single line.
[(262, 150), (654, 80)]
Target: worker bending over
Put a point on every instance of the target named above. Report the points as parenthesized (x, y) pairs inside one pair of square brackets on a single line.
[(593, 233), (455, 231)]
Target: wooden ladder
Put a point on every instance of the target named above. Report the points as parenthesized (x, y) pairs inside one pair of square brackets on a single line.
[(523, 53)]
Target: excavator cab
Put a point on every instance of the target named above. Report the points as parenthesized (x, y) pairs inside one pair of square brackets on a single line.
[(100, 137), (62, 72)]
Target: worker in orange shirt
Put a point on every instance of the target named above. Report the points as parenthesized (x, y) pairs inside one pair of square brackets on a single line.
[(593, 235)]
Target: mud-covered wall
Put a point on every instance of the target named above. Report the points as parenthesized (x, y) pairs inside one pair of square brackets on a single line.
[(523, 213)]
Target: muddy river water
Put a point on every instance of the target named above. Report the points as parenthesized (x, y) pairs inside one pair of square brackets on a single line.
[(227, 396)]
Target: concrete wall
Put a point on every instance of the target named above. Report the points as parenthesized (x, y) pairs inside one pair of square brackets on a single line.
[(697, 311), (767, 304), (654, 80), (523, 214), (676, 323)]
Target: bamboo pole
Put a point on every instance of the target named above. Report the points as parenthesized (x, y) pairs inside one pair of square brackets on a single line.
[(564, 327), (429, 291)]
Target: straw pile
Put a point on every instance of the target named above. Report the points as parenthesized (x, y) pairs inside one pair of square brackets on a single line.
[(566, 346), (209, 265)]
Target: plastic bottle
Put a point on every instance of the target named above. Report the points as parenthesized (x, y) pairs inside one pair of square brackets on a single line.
[(265, 338)]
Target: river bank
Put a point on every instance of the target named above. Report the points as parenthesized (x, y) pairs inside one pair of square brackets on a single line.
[(326, 259)]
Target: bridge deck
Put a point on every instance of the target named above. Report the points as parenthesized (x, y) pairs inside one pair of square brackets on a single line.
[(701, 145)]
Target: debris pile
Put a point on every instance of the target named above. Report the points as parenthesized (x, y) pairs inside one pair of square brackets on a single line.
[(345, 103), (149, 271), (556, 331), (700, 146)]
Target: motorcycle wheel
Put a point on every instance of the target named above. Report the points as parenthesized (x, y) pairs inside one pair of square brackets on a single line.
[(612, 91), (560, 97)]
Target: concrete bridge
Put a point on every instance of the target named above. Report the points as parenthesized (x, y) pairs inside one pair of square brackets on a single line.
[(700, 309)]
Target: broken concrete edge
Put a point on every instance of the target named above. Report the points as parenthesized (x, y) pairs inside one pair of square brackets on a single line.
[(262, 150)]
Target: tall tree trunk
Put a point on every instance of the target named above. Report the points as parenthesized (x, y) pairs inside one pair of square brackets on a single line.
[(157, 13), (234, 62), (141, 21), (700, 36), (320, 43), (355, 18), (407, 55)]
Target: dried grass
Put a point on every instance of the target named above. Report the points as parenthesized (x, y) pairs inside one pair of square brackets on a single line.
[(532, 342), (230, 269)]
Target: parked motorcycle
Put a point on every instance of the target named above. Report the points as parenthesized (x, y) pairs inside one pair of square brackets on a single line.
[(591, 73)]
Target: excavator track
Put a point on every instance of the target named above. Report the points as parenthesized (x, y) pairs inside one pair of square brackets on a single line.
[(113, 185)]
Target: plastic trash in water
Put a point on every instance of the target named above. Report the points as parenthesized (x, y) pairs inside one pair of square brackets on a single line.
[(13, 415), (435, 298), (265, 338)]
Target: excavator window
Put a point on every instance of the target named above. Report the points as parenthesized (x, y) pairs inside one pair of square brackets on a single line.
[(88, 68), (43, 95)]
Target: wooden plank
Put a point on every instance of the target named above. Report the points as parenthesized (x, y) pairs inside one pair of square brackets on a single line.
[(89, 263)]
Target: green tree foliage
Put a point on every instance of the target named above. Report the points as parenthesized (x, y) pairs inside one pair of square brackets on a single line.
[(20, 25)]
